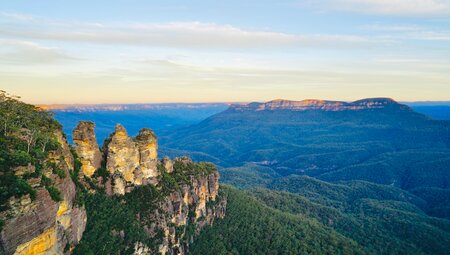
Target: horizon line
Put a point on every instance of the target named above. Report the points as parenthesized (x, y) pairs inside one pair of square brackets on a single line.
[(225, 102)]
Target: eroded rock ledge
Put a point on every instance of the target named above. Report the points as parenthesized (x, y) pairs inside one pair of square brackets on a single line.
[(45, 223)]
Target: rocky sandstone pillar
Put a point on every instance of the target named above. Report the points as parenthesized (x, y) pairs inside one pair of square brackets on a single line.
[(130, 161), (86, 147), (147, 144)]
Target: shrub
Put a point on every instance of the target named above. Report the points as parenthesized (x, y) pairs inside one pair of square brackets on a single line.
[(60, 172), (20, 158), (45, 181), (55, 194)]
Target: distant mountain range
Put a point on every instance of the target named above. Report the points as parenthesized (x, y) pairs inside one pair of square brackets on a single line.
[(124, 107), (376, 140), (143, 106), (435, 109)]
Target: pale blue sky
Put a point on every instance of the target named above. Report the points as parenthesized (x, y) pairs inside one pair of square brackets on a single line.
[(206, 51)]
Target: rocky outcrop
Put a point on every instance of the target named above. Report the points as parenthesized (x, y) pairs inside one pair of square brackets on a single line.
[(87, 148), (131, 161), (122, 160), (43, 225), (168, 165), (184, 196), (147, 145), (186, 211), (314, 104)]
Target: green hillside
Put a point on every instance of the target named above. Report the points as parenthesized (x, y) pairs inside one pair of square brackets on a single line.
[(323, 218), (252, 227)]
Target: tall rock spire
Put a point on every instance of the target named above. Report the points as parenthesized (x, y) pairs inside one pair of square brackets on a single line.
[(131, 161), (87, 148), (147, 144)]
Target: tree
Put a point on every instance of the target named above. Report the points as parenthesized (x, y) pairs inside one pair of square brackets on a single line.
[(8, 111)]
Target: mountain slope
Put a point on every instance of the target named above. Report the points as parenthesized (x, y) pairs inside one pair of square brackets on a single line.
[(322, 218), (326, 139), (382, 218), (254, 228)]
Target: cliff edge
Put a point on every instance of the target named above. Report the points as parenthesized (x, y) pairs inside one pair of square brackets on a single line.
[(121, 199)]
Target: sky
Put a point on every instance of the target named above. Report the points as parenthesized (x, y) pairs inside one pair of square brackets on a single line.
[(136, 51)]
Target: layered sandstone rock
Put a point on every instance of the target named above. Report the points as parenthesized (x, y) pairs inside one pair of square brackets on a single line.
[(42, 225), (87, 148), (168, 165), (147, 144), (190, 208), (131, 161), (122, 159)]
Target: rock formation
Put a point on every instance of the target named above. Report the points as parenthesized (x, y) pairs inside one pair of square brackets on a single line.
[(147, 144), (131, 161), (168, 165), (186, 210), (87, 148), (181, 209), (43, 225), (122, 160)]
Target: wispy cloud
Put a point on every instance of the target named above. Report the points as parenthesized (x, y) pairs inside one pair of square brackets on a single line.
[(16, 16), (173, 34), (25, 52), (386, 7), (411, 32)]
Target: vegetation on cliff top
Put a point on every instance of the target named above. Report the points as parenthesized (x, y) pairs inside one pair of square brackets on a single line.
[(26, 137)]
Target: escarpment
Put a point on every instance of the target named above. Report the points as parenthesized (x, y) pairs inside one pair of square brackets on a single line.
[(170, 200), (314, 104), (47, 220), (187, 209)]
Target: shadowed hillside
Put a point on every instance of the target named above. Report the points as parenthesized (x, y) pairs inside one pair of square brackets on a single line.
[(321, 218)]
